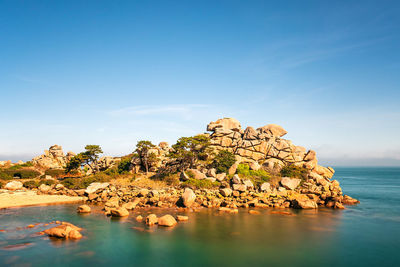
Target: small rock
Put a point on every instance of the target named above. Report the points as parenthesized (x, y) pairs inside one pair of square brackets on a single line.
[(120, 212), (212, 173), (139, 218), (83, 209), (290, 183), (151, 219), (167, 220), (181, 218), (220, 176), (226, 192), (254, 212), (236, 179)]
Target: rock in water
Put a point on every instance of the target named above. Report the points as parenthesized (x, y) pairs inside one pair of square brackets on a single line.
[(120, 212), (151, 219), (14, 185), (290, 183), (181, 218), (303, 202), (65, 230), (83, 209), (188, 197), (167, 220)]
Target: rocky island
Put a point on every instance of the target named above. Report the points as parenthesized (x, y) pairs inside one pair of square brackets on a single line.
[(226, 168)]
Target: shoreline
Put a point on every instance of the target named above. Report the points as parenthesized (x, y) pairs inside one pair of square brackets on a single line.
[(17, 199)]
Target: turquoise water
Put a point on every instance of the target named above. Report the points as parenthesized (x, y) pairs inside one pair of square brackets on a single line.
[(363, 235)]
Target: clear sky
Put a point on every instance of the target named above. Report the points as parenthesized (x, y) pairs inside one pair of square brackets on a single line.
[(114, 72)]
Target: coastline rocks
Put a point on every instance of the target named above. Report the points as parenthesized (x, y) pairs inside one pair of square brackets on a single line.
[(167, 220), (119, 212), (93, 187), (65, 230), (151, 220), (83, 209), (226, 192), (290, 183), (303, 202), (14, 185), (188, 197), (43, 188)]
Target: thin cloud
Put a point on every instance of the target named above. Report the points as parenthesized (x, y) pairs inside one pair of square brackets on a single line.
[(183, 110)]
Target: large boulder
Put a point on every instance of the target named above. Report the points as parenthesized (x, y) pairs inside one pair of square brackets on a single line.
[(273, 129), (119, 212), (225, 124), (290, 183), (300, 201), (93, 187), (14, 185), (151, 220), (167, 220), (226, 192), (196, 174), (43, 188), (188, 197), (65, 230)]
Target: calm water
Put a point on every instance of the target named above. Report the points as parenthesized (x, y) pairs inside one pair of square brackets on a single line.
[(363, 235)]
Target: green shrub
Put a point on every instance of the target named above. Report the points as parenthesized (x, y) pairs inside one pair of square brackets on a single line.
[(47, 182), (294, 172), (204, 183), (5, 176), (31, 184), (190, 174), (1, 184), (257, 177), (21, 173), (55, 173), (84, 182), (223, 161), (124, 165)]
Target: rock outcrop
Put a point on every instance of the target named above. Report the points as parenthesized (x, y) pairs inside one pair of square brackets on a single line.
[(53, 158), (262, 146)]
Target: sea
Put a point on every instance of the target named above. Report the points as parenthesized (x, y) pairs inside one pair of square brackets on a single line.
[(367, 234)]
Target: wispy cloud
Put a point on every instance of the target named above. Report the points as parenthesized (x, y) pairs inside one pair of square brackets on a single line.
[(184, 110)]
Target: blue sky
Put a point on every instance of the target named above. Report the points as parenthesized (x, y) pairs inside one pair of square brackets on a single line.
[(114, 72)]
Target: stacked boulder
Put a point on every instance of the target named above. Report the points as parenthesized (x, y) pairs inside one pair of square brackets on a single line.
[(262, 146), (53, 158)]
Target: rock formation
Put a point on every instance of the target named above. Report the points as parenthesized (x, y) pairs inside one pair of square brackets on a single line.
[(262, 146), (53, 158)]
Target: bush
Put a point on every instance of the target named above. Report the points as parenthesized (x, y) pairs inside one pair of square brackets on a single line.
[(257, 177), (21, 173), (124, 165), (223, 161), (55, 173), (198, 184), (293, 171), (1, 184), (5, 176), (47, 182), (31, 184), (84, 182)]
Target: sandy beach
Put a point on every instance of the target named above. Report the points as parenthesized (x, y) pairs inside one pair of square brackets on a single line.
[(9, 199)]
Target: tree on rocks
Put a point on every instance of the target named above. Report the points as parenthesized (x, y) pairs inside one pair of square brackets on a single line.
[(143, 148), (223, 161), (89, 157), (188, 150)]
